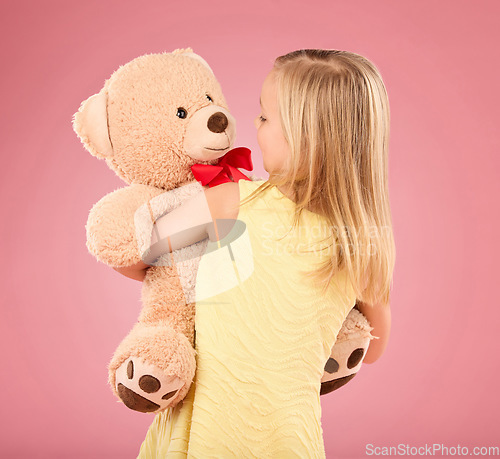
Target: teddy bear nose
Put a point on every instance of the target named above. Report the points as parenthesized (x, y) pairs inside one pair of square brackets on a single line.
[(217, 122)]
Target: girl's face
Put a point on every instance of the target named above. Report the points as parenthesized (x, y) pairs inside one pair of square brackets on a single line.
[(274, 147)]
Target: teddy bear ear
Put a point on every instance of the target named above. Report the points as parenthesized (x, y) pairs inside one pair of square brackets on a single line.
[(182, 51), (91, 125), (199, 59)]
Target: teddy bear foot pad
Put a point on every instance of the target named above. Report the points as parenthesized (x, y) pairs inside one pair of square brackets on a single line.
[(144, 388)]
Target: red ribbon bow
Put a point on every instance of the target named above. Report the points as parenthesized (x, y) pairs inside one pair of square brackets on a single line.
[(226, 168)]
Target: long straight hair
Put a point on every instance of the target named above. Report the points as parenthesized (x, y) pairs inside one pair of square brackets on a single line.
[(334, 113)]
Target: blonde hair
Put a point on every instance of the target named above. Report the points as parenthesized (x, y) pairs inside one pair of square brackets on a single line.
[(334, 113)]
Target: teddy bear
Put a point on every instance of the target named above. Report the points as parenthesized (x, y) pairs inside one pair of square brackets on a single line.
[(155, 118), (348, 352)]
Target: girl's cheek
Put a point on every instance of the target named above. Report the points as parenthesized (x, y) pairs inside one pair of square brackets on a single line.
[(259, 138)]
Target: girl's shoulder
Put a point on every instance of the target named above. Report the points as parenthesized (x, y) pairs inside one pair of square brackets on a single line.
[(223, 200)]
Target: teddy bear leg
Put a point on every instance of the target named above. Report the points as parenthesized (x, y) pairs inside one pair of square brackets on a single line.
[(347, 353), (152, 368)]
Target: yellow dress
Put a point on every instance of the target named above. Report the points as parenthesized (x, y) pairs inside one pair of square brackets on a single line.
[(263, 336)]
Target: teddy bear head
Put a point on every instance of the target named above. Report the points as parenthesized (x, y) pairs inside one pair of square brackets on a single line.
[(157, 116)]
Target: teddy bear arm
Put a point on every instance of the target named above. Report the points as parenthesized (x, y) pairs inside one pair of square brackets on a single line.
[(111, 234)]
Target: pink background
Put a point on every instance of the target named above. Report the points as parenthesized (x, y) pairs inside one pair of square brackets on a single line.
[(64, 313)]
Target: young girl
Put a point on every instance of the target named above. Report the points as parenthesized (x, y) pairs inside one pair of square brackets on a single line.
[(320, 237)]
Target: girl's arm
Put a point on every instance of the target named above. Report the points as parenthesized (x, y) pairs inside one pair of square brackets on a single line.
[(189, 223), (379, 317), (137, 271)]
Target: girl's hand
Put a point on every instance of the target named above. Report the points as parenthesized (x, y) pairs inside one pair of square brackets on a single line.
[(379, 317), (137, 271)]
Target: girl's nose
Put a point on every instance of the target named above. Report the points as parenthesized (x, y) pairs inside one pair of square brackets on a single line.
[(256, 122)]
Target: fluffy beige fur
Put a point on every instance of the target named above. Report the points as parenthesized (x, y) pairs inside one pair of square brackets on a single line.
[(133, 124)]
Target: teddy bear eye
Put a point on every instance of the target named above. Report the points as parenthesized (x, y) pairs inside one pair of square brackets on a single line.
[(182, 113), (209, 98)]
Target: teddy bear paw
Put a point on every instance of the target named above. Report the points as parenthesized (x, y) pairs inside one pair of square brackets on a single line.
[(145, 388)]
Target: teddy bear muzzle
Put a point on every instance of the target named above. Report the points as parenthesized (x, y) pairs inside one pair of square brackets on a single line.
[(210, 133)]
